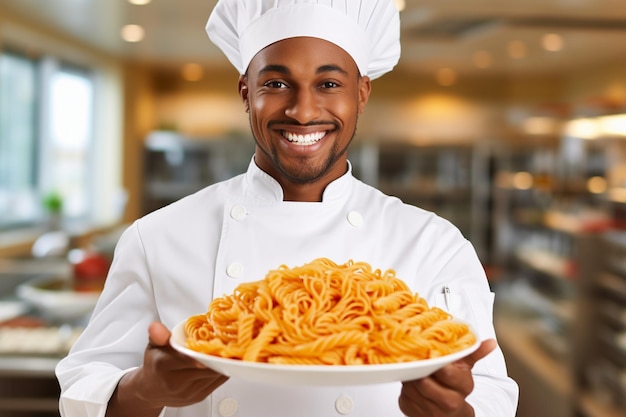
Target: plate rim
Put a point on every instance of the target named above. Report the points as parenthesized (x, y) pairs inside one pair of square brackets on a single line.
[(178, 330)]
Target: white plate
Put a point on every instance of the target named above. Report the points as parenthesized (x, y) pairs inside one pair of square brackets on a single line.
[(11, 309), (61, 304), (326, 375)]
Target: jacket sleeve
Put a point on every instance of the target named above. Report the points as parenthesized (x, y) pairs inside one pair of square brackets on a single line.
[(115, 339), (470, 299)]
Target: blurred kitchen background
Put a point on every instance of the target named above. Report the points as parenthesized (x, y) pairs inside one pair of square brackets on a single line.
[(506, 117)]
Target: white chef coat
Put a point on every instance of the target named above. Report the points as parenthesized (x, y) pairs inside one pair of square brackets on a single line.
[(169, 264)]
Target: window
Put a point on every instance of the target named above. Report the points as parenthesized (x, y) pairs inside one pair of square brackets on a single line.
[(18, 146), (70, 114), (46, 135)]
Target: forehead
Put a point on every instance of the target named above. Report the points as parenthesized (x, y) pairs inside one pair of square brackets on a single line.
[(304, 52)]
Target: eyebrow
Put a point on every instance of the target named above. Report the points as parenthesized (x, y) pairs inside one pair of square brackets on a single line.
[(331, 68), (284, 70)]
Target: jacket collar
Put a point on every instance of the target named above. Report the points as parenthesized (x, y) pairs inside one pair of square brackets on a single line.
[(264, 187)]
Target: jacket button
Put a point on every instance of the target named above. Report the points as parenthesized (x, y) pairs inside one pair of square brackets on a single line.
[(343, 405), (355, 219), (238, 213), (234, 270), (227, 407)]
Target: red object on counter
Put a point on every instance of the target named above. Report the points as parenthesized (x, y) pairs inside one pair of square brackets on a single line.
[(91, 272)]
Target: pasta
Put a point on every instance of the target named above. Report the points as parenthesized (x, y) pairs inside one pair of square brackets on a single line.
[(324, 313)]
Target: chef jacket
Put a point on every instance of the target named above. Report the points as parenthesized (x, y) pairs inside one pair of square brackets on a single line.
[(171, 263)]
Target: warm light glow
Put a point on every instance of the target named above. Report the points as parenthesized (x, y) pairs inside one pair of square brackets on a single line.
[(139, 2), (482, 59), (618, 194), (523, 180), (582, 128), (132, 33), (614, 125), (517, 49), (597, 185), (446, 77), (192, 72), (539, 125), (400, 4), (552, 42)]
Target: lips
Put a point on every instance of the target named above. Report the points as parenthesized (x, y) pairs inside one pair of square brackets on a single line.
[(304, 139)]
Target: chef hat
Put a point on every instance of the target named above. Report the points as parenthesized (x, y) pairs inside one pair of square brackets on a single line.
[(368, 30)]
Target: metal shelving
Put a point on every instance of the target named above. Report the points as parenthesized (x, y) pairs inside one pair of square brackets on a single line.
[(563, 277)]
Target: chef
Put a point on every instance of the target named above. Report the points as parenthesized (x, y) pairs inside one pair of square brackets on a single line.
[(305, 77)]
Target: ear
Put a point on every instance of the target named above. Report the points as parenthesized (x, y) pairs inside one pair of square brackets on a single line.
[(365, 88), (242, 86)]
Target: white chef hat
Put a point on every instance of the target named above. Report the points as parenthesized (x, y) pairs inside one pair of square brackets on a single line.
[(369, 30)]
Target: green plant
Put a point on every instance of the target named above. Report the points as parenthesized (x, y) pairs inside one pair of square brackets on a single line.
[(53, 202)]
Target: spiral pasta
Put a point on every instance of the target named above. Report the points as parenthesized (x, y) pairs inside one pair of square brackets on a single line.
[(326, 313)]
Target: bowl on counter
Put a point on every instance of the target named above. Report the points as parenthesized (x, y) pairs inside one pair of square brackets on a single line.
[(56, 299)]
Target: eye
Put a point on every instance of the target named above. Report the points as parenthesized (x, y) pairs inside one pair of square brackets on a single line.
[(330, 84), (275, 84)]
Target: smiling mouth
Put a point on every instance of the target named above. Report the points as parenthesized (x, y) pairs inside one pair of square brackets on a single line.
[(307, 139)]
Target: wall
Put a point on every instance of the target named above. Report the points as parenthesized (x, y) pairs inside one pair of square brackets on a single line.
[(404, 105), (599, 87)]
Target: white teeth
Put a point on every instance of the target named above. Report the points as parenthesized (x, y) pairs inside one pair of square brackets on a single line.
[(307, 139)]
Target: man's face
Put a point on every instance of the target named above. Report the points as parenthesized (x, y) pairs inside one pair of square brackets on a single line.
[(303, 96)]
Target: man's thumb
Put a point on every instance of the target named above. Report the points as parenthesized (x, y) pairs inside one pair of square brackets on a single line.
[(483, 350), (159, 334)]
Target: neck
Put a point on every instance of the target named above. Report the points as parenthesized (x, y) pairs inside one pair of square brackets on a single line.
[(311, 191), (303, 192)]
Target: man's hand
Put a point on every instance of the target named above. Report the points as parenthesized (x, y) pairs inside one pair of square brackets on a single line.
[(166, 378), (443, 393)]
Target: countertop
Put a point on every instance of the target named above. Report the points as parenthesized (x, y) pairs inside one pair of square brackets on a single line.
[(31, 342)]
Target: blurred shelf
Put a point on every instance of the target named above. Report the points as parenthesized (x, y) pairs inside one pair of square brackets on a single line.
[(547, 263), (29, 404), (532, 301), (584, 222), (614, 341), (616, 238), (612, 283), (32, 366), (560, 230), (518, 338), (591, 407), (613, 313)]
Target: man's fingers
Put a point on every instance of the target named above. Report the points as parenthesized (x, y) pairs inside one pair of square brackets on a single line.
[(486, 347), (159, 334)]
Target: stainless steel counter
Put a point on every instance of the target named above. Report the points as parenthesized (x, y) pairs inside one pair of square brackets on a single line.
[(25, 366), (29, 355)]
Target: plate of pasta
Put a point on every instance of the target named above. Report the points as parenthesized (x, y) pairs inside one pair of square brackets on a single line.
[(324, 323), (316, 375)]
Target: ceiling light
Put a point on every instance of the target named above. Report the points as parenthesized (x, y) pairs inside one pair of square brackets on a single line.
[(552, 42), (597, 185), (582, 128), (192, 72), (517, 49), (482, 59), (613, 125), (132, 33), (446, 77), (139, 2), (539, 125), (523, 180)]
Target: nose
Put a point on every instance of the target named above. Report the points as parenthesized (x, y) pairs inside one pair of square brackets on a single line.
[(304, 106)]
